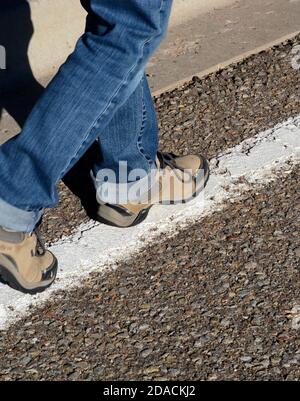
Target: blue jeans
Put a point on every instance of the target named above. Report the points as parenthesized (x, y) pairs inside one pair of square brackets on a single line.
[(100, 92)]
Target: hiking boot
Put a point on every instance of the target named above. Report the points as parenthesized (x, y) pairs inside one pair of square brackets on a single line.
[(180, 180), (25, 265)]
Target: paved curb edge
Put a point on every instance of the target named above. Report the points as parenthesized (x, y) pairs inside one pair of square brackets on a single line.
[(225, 64)]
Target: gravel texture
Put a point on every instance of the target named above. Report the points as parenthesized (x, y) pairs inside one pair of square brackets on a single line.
[(218, 301), (219, 111), (207, 115)]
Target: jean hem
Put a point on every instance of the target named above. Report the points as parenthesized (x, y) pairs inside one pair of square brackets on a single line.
[(16, 219), (130, 192)]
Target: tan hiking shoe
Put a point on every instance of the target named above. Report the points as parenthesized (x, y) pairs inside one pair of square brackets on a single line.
[(180, 180), (25, 265)]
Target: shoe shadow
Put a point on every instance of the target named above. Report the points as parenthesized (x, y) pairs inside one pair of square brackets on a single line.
[(19, 90), (79, 181)]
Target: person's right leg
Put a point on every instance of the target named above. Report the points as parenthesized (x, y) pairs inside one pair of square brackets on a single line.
[(129, 148)]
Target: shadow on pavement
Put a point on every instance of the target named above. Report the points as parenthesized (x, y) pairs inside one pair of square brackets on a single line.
[(16, 31), (79, 181)]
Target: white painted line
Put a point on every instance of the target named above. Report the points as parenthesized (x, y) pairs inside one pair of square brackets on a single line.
[(294, 316), (97, 247)]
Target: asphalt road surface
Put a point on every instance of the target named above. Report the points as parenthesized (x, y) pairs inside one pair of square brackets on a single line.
[(219, 298)]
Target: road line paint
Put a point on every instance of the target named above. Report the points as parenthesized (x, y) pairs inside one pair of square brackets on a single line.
[(296, 318), (97, 248)]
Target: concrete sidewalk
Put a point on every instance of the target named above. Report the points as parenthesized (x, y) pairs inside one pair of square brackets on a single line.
[(202, 34), (49, 30)]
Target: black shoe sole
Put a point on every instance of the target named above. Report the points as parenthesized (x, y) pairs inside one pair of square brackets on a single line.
[(139, 219), (8, 278)]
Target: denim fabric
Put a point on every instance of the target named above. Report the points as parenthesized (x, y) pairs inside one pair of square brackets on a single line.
[(128, 151), (99, 92)]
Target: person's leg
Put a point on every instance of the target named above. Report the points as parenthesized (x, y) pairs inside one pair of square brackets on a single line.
[(132, 175), (128, 147), (97, 79), (103, 73)]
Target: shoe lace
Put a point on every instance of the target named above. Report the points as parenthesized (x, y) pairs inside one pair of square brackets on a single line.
[(167, 159), (40, 245)]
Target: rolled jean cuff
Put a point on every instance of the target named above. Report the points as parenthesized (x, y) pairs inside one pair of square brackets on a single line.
[(17, 219), (136, 192)]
